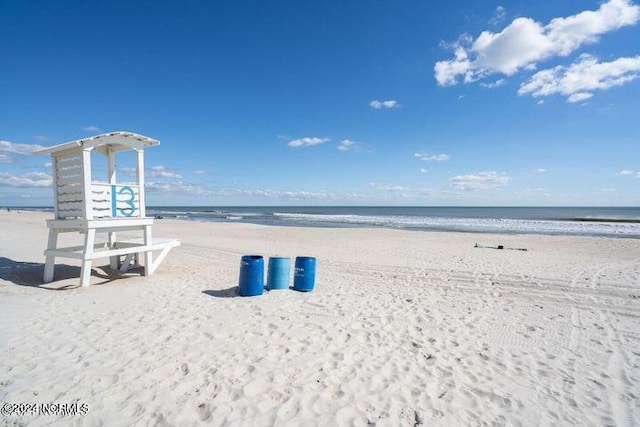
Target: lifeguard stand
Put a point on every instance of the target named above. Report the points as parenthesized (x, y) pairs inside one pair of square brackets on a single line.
[(89, 207)]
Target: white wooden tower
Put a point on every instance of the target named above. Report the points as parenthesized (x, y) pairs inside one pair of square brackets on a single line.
[(89, 207)]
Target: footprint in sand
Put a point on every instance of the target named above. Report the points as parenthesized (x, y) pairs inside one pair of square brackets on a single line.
[(430, 359), (204, 411), (184, 368), (277, 397)]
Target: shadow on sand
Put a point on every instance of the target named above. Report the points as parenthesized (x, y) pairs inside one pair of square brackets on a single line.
[(30, 274), (223, 293)]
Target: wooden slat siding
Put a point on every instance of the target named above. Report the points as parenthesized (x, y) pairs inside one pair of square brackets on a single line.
[(69, 214), (102, 209), (76, 169), (70, 205), (70, 160), (64, 214), (61, 173), (70, 197), (127, 207), (70, 209), (69, 167), (69, 180), (68, 185), (122, 202), (101, 199), (70, 189), (65, 178), (101, 192)]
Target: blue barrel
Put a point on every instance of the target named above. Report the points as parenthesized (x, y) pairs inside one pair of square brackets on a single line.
[(251, 276), (278, 274), (305, 274)]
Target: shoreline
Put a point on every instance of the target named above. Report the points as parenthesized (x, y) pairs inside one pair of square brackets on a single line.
[(624, 228)]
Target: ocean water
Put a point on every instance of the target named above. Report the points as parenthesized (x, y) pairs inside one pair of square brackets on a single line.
[(586, 221), (623, 222)]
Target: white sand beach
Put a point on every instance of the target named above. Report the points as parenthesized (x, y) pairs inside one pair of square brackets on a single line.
[(404, 328)]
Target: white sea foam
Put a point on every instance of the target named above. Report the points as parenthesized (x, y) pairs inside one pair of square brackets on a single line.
[(474, 224)]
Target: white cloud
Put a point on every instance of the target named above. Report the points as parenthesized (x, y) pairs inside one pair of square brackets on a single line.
[(307, 142), (625, 173), (499, 15), (401, 190), (447, 72), (179, 187), (199, 172), (525, 42), (9, 149), (91, 128), (153, 172), (580, 96), (387, 187), (289, 195), (432, 157), (163, 172), (347, 144), (32, 179), (423, 170), (540, 170), (480, 181), (638, 175), (128, 171), (581, 78), (493, 85), (377, 105), (20, 149)]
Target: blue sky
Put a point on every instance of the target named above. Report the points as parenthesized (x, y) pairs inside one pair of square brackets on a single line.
[(331, 103)]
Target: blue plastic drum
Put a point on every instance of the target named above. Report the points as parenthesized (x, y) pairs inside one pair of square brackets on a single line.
[(278, 274), (305, 274), (251, 276)]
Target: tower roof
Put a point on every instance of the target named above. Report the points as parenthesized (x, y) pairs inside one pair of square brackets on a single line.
[(117, 141)]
